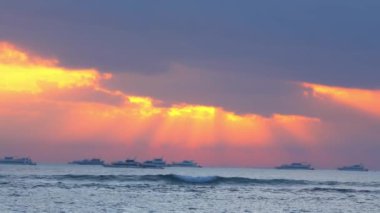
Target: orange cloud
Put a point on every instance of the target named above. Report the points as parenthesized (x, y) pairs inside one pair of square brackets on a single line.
[(21, 72), (362, 99), (31, 90)]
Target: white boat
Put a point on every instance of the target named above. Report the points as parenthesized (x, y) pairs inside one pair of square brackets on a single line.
[(157, 163), (185, 163), (296, 166), (129, 163), (17, 161), (356, 167)]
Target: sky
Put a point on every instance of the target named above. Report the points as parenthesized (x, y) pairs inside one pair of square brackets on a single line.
[(226, 83)]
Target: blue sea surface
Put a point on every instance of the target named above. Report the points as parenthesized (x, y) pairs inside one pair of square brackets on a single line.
[(75, 188)]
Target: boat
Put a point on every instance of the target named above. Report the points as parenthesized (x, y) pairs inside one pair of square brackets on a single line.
[(296, 166), (157, 163), (17, 161), (356, 167), (185, 163), (94, 161), (129, 163)]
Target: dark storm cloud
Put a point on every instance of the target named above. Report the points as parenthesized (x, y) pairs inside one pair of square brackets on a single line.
[(331, 42)]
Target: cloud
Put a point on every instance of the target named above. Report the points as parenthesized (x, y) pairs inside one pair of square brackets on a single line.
[(21, 72), (49, 107), (365, 100), (46, 108), (300, 41)]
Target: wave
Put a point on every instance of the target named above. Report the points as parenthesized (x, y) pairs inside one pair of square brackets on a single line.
[(174, 178), (185, 179), (231, 180), (339, 190), (112, 182), (193, 180)]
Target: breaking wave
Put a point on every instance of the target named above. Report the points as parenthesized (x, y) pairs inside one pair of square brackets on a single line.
[(185, 179)]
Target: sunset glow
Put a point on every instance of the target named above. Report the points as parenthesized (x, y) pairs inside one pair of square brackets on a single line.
[(361, 99), (134, 119), (20, 72)]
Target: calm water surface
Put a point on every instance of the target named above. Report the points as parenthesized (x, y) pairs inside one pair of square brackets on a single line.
[(74, 188)]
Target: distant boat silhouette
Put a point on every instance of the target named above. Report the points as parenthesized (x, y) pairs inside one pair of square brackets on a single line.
[(356, 167), (94, 161), (185, 163), (17, 161), (300, 166), (129, 163), (157, 163)]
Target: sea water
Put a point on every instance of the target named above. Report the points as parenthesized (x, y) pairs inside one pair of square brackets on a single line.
[(75, 188)]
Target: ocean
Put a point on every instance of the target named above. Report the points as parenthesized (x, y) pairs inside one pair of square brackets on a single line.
[(75, 188)]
